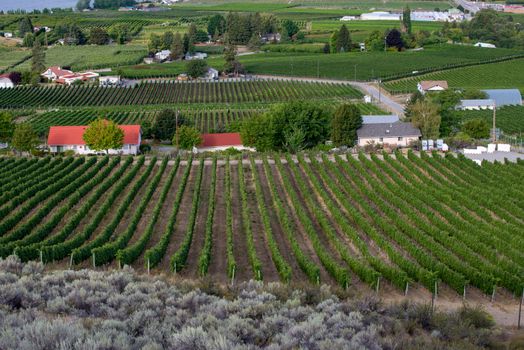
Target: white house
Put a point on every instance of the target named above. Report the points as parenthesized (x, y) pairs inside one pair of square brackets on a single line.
[(71, 78), (8, 35), (195, 56), (475, 105), (65, 138), (6, 82), (485, 45), (55, 72), (270, 37), (398, 134), (432, 86), (163, 55), (212, 74), (109, 80)]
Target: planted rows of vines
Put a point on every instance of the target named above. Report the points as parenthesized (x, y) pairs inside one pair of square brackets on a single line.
[(403, 220)]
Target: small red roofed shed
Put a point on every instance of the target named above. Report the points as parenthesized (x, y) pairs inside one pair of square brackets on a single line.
[(221, 141)]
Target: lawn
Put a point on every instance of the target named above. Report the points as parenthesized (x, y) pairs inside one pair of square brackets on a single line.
[(509, 74), (92, 56)]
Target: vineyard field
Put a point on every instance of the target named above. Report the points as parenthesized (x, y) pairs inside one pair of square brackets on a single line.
[(169, 92), (510, 119), (391, 220), (207, 119), (502, 75), (91, 56)]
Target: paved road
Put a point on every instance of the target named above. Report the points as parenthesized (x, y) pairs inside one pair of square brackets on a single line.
[(367, 88)]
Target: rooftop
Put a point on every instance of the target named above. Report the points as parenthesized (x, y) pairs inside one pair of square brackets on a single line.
[(73, 135), (505, 97), (378, 119), (398, 129), (428, 84), (220, 140)]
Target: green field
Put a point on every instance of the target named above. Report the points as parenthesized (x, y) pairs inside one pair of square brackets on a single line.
[(92, 56), (509, 119), (369, 64), (509, 74), (9, 57)]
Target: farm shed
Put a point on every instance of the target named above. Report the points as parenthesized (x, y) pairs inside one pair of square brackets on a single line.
[(399, 134), (432, 85), (65, 138), (475, 105), (505, 97), (222, 141)]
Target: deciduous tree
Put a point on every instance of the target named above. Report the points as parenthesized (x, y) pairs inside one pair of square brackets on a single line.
[(177, 48), (196, 68), (103, 135), (425, 116), (24, 138), (7, 127), (188, 137)]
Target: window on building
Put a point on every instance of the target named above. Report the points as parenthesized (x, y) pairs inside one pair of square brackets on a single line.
[(400, 138)]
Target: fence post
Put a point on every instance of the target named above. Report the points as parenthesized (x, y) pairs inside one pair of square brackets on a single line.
[(41, 257), (378, 284), (148, 266), (233, 277), (493, 294), (520, 308), (94, 261), (407, 288)]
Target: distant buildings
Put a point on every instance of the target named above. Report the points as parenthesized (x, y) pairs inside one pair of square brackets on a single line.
[(398, 134), (195, 56), (432, 86), (163, 55), (452, 15), (212, 74), (222, 141), (55, 72), (485, 45), (8, 35), (109, 80)]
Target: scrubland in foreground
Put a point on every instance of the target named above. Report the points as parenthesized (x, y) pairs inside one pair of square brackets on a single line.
[(89, 309)]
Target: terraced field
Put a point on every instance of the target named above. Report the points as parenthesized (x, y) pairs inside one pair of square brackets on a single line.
[(397, 221), (172, 92), (204, 118), (508, 74)]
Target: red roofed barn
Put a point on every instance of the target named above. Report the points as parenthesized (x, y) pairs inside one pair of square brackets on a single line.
[(64, 138), (222, 141)]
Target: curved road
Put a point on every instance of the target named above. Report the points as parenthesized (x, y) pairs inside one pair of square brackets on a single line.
[(367, 88)]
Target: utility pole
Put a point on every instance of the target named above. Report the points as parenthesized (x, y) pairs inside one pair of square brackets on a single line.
[(176, 124), (494, 121), (379, 92)]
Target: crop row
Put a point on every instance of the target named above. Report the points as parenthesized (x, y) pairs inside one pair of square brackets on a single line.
[(169, 92), (403, 220)]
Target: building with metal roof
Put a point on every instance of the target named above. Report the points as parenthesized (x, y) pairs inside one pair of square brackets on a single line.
[(475, 105), (505, 97), (378, 119)]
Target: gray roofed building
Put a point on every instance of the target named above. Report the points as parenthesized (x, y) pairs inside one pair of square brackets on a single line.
[(505, 97), (476, 104), (399, 134), (378, 119)]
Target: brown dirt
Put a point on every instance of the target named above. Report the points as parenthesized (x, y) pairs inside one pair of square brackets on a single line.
[(280, 237), (243, 267), (181, 220), (269, 270), (108, 218), (165, 213), (218, 263), (191, 268), (304, 241)]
